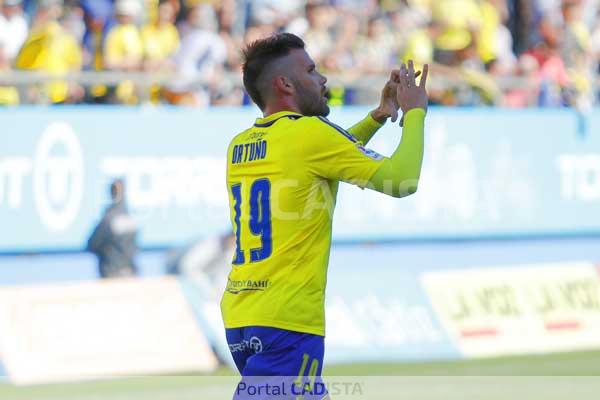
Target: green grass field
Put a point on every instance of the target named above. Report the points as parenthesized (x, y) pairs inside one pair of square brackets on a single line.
[(571, 376)]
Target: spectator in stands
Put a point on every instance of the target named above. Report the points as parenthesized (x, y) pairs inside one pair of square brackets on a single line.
[(420, 44), (13, 29), (460, 22), (206, 262), (494, 42), (124, 48), (161, 39), (113, 240), (13, 32), (51, 49), (319, 39), (524, 95), (9, 95), (200, 60), (273, 12), (595, 44), (98, 16), (73, 20), (374, 51), (552, 76), (576, 51)]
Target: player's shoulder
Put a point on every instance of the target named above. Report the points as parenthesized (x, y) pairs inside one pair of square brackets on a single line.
[(240, 137), (324, 129)]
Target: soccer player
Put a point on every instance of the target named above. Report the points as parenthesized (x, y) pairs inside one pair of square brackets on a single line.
[(282, 177)]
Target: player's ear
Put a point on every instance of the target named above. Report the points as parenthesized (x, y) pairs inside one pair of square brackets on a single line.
[(284, 85)]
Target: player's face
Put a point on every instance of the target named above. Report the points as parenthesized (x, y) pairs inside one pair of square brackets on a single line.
[(309, 85)]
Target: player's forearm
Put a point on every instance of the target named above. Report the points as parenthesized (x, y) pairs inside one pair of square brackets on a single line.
[(365, 128), (399, 175)]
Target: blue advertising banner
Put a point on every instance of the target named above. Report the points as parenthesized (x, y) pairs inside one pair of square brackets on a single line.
[(56, 165), (487, 172)]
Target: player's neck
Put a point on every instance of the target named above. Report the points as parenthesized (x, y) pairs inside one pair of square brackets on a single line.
[(283, 105)]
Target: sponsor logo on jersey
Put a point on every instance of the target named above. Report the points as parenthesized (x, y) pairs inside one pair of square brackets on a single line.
[(369, 153), (245, 285)]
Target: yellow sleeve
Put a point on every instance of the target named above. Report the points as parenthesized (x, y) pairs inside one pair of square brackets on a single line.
[(364, 129), (333, 153), (33, 54), (399, 175)]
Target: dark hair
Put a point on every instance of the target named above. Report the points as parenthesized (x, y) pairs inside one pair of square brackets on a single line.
[(259, 54)]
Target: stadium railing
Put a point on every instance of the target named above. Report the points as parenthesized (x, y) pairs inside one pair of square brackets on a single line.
[(366, 88)]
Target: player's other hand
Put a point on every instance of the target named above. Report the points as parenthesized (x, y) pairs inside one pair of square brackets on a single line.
[(409, 95), (388, 103)]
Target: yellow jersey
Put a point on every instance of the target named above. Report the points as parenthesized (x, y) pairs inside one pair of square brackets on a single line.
[(53, 50), (122, 42), (160, 42), (282, 178)]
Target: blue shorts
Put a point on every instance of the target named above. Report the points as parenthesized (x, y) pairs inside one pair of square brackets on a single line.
[(270, 352)]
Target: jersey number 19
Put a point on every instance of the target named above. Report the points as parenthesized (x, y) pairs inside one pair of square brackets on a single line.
[(260, 219)]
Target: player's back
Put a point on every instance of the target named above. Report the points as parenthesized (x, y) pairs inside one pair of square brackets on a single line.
[(281, 213)]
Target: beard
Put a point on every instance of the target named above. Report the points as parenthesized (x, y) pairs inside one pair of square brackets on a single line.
[(310, 103)]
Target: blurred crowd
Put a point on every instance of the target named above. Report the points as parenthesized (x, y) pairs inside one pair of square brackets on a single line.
[(512, 53)]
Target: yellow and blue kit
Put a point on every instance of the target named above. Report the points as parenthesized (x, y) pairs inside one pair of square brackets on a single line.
[(282, 177)]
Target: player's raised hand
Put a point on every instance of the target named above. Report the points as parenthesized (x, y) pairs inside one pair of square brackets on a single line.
[(409, 95), (388, 103)]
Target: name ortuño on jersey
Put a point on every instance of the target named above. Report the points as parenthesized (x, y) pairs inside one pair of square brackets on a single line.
[(282, 179)]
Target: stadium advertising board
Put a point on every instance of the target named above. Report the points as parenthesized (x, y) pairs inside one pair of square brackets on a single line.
[(518, 309), (487, 172), (367, 319), (99, 329)]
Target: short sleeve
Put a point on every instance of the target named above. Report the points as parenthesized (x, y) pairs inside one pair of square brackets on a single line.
[(333, 153)]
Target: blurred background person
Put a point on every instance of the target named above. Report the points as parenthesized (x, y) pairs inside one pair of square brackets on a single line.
[(53, 50), (319, 39), (206, 262), (576, 51), (200, 59), (374, 51), (99, 18), (552, 76), (161, 39), (9, 95), (14, 28), (13, 32), (113, 240), (124, 48), (161, 42)]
